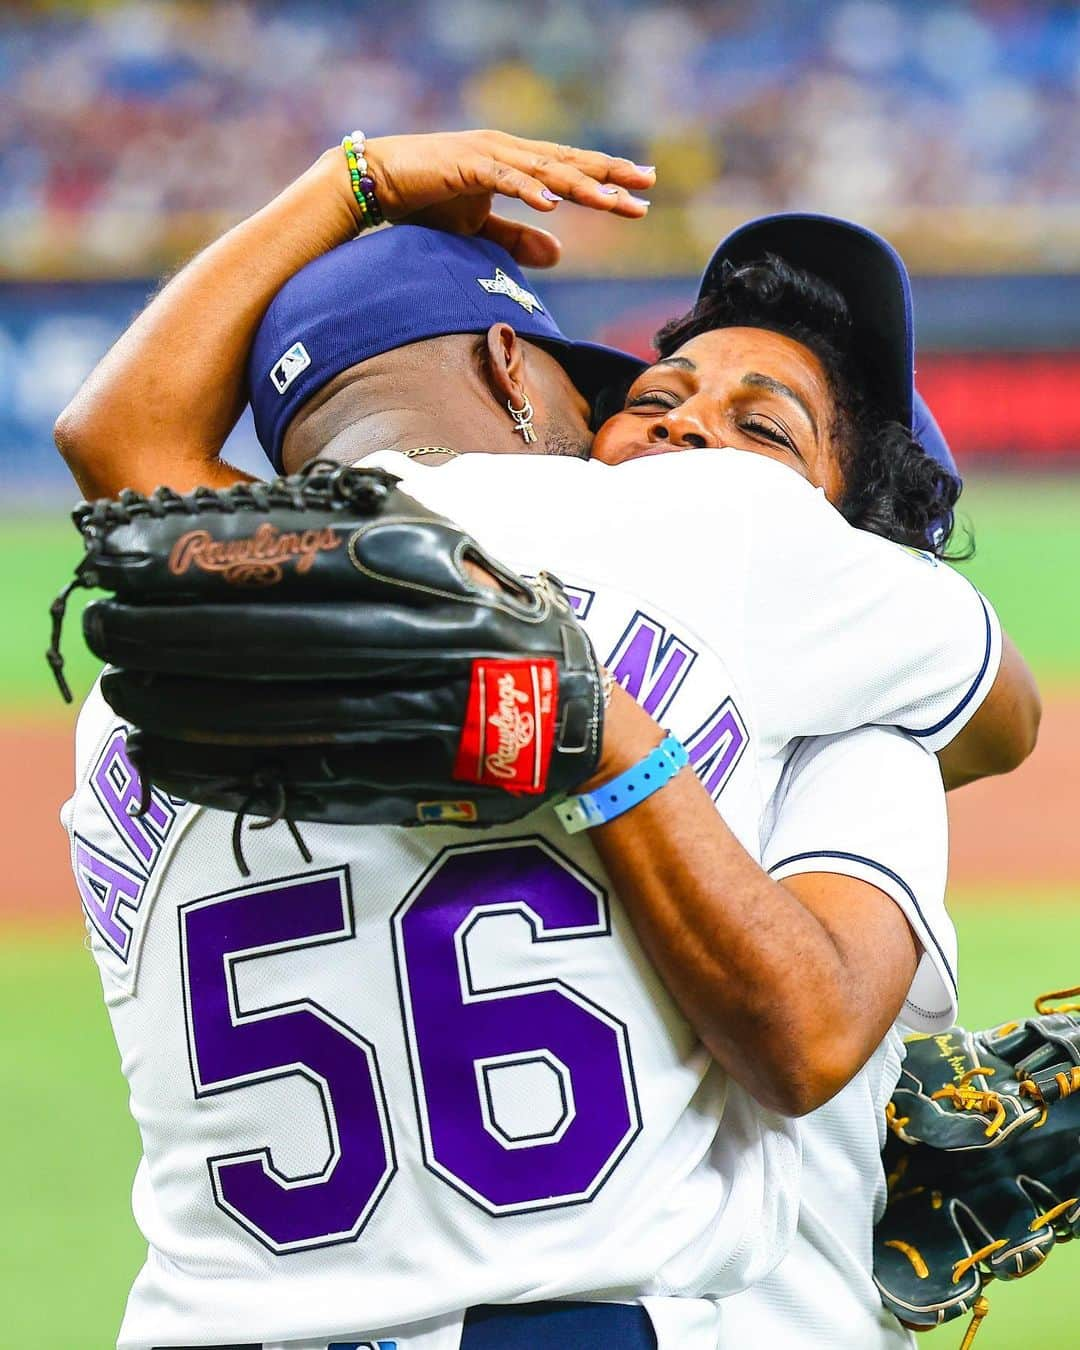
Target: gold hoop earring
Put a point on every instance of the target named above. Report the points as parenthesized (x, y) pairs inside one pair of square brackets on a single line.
[(523, 418)]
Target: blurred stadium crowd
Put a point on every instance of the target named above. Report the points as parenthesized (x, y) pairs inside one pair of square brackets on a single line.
[(132, 132), (127, 125)]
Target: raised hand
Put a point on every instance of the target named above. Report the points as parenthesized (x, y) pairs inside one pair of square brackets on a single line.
[(448, 180)]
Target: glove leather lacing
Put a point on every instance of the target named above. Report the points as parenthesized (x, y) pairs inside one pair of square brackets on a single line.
[(317, 486), (57, 611), (961, 1267), (964, 1097), (260, 783), (1041, 1220), (913, 1255), (1044, 1004), (981, 1305), (895, 1121), (978, 1312)]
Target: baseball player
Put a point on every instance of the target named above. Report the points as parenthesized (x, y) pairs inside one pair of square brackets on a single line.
[(222, 1019), (158, 903)]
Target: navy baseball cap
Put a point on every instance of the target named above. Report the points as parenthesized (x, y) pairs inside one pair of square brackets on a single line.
[(871, 276), (386, 290), (866, 270), (926, 431)]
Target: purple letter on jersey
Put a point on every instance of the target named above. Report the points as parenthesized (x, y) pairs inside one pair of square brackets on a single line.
[(116, 781), (105, 885), (580, 600), (650, 663), (716, 746), (233, 1048), (465, 1035)]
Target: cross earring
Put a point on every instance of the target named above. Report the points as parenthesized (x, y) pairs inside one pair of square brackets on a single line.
[(523, 418)]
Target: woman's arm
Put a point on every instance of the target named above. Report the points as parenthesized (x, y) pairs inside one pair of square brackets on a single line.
[(161, 403), (1003, 732), (791, 986)]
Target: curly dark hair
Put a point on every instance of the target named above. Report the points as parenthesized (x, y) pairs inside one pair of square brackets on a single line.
[(892, 487)]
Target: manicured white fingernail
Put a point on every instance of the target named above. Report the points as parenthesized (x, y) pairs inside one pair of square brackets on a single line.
[(645, 168), (640, 201), (609, 189), (550, 196)]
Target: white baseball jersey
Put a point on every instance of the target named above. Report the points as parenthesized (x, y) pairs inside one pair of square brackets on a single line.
[(434, 1069), (869, 804)]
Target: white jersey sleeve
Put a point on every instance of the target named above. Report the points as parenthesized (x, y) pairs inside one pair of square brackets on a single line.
[(909, 637), (870, 804)]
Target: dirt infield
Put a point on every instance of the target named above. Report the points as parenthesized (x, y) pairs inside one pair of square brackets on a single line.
[(1024, 828), (1020, 830), (39, 757)]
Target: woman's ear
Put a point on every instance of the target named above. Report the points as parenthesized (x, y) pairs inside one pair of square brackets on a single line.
[(505, 365)]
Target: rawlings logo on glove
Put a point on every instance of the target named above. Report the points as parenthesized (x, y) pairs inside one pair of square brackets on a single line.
[(257, 560), (509, 725)]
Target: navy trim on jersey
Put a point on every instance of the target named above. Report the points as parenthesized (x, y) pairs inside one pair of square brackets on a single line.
[(940, 726), (886, 871)]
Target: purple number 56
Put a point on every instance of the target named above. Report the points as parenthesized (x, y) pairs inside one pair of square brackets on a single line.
[(233, 1048), (524, 1088)]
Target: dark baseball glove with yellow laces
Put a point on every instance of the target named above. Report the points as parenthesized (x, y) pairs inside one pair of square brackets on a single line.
[(983, 1162), (323, 647)]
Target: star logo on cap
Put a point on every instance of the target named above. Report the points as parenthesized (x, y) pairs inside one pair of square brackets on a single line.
[(501, 284)]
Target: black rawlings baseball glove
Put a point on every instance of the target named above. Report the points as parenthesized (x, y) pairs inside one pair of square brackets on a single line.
[(323, 647), (983, 1162)]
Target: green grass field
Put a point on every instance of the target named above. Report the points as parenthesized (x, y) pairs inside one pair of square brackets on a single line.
[(69, 1248)]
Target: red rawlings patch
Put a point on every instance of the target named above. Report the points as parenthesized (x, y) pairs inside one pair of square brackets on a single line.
[(509, 725)]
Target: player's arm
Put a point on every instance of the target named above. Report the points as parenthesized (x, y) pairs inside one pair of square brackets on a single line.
[(791, 984), (161, 403)]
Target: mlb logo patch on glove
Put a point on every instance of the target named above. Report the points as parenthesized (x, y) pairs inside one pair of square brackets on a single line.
[(509, 726)]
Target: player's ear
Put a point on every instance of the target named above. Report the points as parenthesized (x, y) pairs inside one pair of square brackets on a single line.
[(505, 364)]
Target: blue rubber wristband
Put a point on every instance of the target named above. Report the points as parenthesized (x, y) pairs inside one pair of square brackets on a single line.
[(649, 775)]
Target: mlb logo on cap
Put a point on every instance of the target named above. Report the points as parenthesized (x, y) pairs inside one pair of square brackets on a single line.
[(289, 366)]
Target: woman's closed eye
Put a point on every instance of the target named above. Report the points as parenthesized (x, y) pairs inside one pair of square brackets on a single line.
[(771, 431), (653, 398)]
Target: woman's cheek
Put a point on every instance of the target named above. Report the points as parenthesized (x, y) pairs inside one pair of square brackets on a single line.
[(614, 439)]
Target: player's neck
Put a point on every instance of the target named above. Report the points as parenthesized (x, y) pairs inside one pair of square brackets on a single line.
[(360, 420)]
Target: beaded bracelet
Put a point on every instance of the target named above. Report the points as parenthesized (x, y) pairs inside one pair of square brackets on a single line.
[(363, 186)]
